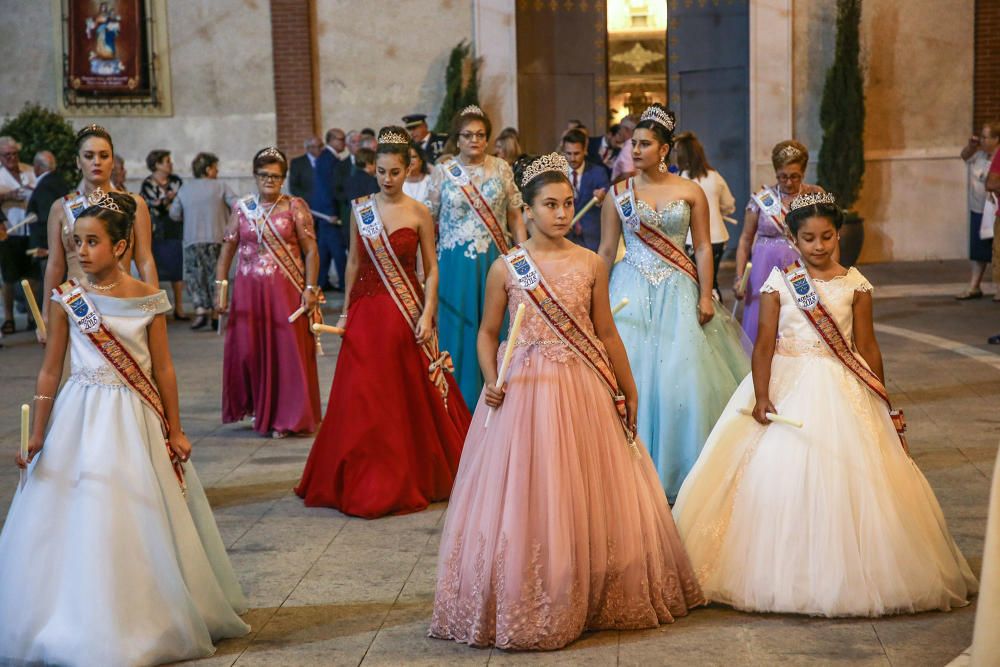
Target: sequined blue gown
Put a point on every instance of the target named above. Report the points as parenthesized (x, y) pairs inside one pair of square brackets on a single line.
[(685, 373)]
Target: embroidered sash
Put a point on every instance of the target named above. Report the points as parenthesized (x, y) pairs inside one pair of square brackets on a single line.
[(565, 326), (456, 173), (84, 314), (769, 203), (807, 299), (652, 237), (396, 282), (270, 239)]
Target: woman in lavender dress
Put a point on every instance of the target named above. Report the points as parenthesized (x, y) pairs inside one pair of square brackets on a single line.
[(770, 247)]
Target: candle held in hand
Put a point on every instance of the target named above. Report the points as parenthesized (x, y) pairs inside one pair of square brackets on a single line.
[(25, 413), (515, 330)]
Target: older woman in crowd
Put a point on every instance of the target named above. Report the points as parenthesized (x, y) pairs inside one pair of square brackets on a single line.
[(203, 203), (159, 190), (978, 154), (477, 206)]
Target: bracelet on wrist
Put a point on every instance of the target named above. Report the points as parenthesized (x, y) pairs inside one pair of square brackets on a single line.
[(42, 397)]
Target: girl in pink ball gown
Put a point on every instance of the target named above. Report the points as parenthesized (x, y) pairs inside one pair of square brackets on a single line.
[(558, 523)]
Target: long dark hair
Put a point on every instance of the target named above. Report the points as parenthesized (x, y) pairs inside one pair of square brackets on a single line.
[(690, 155)]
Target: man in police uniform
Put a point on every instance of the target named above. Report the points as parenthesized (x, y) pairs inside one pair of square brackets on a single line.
[(430, 143)]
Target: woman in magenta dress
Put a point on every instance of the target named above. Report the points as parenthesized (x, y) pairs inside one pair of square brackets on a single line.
[(269, 368), (771, 246), (558, 523), (392, 436)]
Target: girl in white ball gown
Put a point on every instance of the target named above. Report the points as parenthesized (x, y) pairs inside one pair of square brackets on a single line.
[(833, 518), (103, 560)]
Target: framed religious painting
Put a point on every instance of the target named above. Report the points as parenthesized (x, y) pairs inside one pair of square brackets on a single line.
[(113, 57)]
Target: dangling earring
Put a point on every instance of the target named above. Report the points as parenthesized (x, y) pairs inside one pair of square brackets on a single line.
[(662, 167)]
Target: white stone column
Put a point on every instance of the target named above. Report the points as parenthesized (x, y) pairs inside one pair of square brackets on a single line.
[(494, 30), (771, 106)]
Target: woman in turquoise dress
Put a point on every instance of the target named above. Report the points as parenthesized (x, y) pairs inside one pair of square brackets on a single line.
[(469, 236), (687, 352)]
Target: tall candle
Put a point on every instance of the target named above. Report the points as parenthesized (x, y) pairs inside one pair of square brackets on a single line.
[(25, 412), (515, 330), (621, 304), (33, 306)]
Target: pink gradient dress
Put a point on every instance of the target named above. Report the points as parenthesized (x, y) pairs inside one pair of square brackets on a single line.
[(269, 366), (555, 526)]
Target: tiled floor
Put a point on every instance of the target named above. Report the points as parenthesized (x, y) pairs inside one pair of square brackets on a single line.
[(330, 590)]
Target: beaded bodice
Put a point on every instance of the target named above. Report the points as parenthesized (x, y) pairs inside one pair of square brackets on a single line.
[(573, 284), (674, 220), (404, 242)]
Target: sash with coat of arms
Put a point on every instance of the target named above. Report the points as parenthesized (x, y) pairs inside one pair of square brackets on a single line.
[(404, 294), (565, 326), (807, 299), (456, 173), (652, 237), (84, 314)]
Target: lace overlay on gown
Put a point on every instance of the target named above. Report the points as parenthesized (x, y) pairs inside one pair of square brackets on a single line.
[(674, 220), (555, 527), (573, 288), (458, 224)]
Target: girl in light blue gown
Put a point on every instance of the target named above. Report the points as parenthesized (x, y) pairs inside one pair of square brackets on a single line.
[(466, 249), (687, 353)]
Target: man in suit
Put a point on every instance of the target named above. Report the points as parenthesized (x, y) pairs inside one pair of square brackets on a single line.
[(360, 182), (430, 143), (50, 187), (604, 150), (311, 176), (336, 144), (589, 181)]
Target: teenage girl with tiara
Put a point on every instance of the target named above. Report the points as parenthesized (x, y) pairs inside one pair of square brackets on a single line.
[(110, 554), (832, 518), (557, 522)]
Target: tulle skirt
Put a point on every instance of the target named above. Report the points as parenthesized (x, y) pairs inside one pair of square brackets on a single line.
[(555, 525), (833, 519)]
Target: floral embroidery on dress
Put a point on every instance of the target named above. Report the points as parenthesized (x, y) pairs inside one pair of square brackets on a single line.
[(574, 290), (458, 224), (674, 220), (156, 303), (103, 376)]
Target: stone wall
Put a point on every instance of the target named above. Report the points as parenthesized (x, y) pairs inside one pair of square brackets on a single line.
[(222, 80), (919, 95), (380, 60)]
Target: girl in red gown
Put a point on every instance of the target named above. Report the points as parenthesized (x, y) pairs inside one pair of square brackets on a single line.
[(392, 436)]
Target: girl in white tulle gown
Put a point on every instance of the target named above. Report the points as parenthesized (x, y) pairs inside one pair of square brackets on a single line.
[(103, 561), (833, 518)]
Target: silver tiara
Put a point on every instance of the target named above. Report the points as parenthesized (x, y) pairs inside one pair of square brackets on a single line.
[(550, 162), (271, 151), (472, 110), (391, 137), (659, 115), (100, 198), (811, 198), (93, 127), (789, 152)]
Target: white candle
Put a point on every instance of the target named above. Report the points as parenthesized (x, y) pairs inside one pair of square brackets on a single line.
[(772, 417), (326, 328), (745, 276), (25, 412), (515, 330), (621, 304), (33, 306), (298, 313)]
